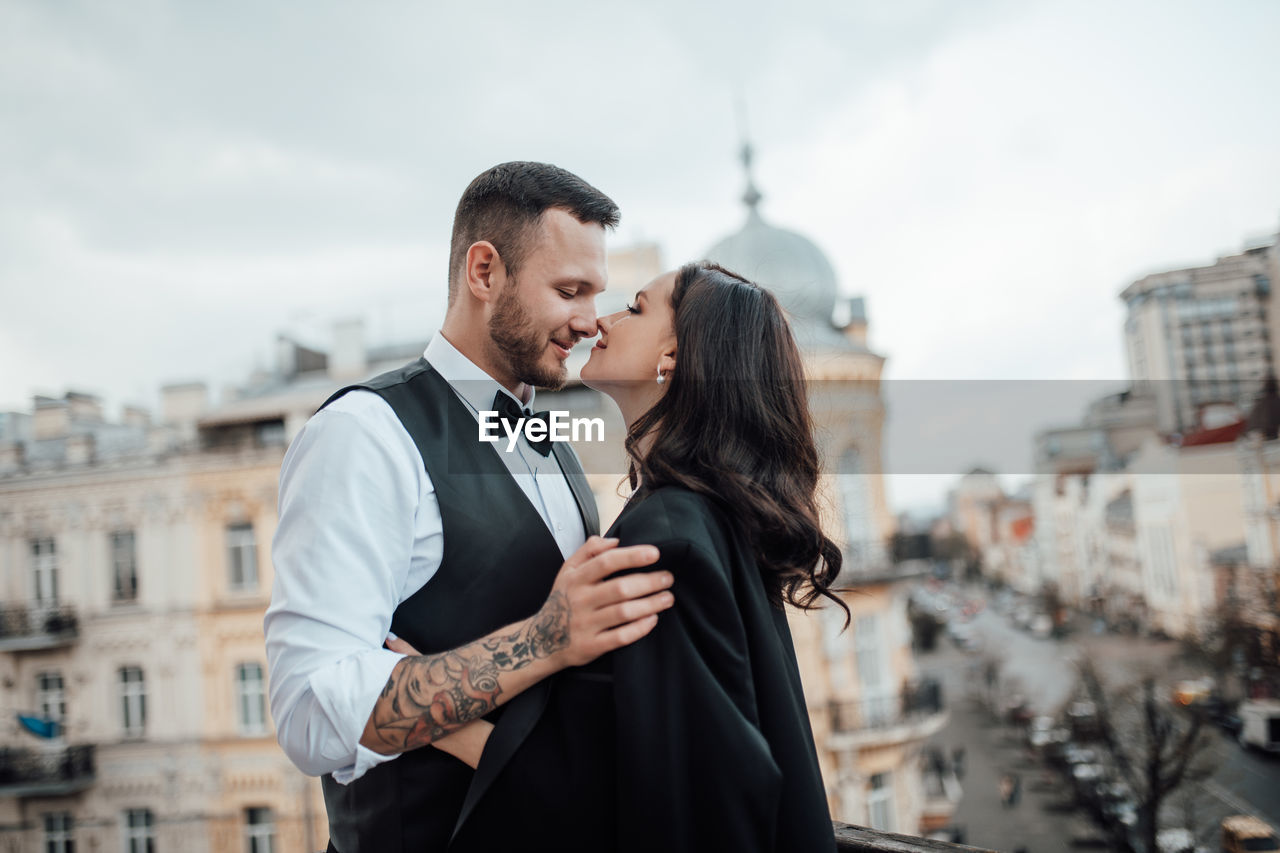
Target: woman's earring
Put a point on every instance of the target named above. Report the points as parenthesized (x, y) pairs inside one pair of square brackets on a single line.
[(661, 378)]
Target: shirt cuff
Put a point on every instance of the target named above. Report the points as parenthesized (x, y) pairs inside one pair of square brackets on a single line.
[(346, 692), (365, 759)]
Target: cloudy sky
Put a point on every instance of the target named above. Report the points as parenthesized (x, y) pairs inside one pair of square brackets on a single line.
[(179, 181)]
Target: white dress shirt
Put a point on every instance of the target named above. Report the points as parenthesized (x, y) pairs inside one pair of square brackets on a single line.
[(359, 532)]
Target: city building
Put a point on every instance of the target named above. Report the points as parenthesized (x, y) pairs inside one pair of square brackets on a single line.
[(1079, 472), (1252, 585), (1204, 335), (1187, 504), (1127, 518), (134, 572)]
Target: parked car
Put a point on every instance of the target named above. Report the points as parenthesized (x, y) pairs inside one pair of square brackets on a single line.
[(1041, 723), (1193, 692), (1176, 839), (1059, 742), (1113, 792), (1082, 717), (1260, 724), (1247, 834), (1118, 804), (1016, 709), (1222, 714), (1075, 754), (1083, 833), (1087, 776)]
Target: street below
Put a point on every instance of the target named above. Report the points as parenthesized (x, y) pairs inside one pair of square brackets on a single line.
[(1044, 818)]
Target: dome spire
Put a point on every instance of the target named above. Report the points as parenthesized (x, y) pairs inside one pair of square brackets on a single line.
[(751, 197)]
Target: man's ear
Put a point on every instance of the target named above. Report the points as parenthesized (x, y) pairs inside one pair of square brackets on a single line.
[(483, 271)]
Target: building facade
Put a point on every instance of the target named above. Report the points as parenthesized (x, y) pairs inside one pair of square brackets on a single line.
[(134, 572), (870, 712), (1204, 335)]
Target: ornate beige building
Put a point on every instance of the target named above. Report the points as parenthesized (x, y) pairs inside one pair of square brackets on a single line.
[(870, 712), (134, 572)]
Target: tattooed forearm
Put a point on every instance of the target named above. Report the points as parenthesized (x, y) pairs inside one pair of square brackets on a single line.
[(429, 696)]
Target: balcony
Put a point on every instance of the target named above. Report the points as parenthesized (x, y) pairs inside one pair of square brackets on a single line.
[(913, 714), (37, 627), (856, 574), (34, 773)]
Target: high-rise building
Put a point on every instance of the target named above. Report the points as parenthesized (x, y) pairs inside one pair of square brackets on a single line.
[(1204, 335)]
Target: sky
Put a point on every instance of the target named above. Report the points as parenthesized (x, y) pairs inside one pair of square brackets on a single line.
[(181, 181)]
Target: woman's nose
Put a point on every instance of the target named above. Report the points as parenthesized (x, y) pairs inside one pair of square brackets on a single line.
[(604, 324)]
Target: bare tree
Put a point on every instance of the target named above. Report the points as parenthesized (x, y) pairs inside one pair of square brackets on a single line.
[(1154, 747)]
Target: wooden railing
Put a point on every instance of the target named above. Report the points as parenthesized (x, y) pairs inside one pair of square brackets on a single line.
[(857, 839)]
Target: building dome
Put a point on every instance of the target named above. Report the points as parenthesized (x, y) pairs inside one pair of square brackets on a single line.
[(789, 264)]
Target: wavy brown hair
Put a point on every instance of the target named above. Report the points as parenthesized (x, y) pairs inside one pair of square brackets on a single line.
[(734, 426)]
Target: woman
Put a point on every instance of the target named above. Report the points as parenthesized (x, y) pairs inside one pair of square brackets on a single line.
[(696, 737)]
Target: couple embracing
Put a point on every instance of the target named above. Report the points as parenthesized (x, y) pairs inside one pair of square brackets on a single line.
[(453, 646)]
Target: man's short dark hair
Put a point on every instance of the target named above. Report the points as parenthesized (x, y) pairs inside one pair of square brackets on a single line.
[(504, 205)]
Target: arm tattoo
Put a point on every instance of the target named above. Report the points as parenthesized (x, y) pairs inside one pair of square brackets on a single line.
[(430, 696)]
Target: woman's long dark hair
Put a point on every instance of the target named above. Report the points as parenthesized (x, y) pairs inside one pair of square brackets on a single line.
[(734, 426)]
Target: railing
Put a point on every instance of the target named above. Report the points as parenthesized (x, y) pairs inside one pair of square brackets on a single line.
[(30, 773), (916, 701), (856, 839), (37, 627), (854, 575)]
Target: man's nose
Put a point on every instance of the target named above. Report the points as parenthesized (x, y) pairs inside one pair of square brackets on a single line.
[(583, 322)]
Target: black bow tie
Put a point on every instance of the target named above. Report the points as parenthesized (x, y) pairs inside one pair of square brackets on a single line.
[(510, 414)]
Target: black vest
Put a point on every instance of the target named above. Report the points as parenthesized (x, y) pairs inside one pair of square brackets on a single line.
[(499, 563)]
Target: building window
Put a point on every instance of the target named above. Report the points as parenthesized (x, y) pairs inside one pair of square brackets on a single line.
[(139, 831), (51, 700), (44, 572), (59, 833), (259, 830), (124, 566), (837, 646), (880, 803), (271, 434), (855, 497), (251, 699), (878, 700), (133, 701), (242, 557)]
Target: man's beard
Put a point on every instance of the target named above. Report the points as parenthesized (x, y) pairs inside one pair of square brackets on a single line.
[(521, 344)]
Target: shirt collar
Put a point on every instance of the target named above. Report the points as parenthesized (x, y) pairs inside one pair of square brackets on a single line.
[(467, 378)]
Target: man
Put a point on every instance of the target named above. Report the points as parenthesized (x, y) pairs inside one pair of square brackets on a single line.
[(397, 523)]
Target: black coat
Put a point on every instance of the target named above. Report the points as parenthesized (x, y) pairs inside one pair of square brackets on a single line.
[(695, 738)]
